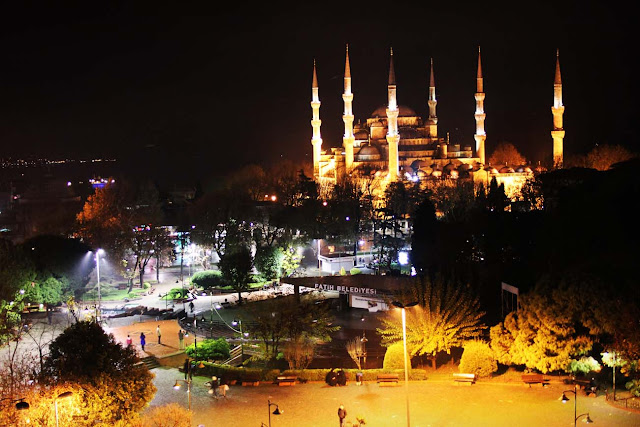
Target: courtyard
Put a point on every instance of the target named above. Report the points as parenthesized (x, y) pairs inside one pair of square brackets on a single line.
[(432, 403)]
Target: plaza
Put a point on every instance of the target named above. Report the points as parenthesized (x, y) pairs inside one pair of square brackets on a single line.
[(433, 403)]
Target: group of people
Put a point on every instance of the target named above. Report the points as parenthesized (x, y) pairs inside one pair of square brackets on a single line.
[(334, 377), (217, 389), (143, 338)]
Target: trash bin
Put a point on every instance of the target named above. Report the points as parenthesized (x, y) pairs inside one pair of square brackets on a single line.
[(358, 378)]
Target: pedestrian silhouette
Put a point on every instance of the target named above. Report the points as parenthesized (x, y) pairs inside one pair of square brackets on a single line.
[(342, 414), (159, 333), (143, 340)]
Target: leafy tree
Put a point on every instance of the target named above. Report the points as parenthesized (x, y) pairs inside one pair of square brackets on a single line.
[(285, 320), (601, 157), (16, 273), (477, 358), (268, 261), (447, 315), (86, 355), (236, 269), (584, 365), (169, 415), (506, 154), (541, 335), (290, 260), (209, 350)]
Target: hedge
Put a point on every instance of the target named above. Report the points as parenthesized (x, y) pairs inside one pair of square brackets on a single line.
[(232, 373)]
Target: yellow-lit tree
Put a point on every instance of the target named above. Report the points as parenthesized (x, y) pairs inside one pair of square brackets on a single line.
[(446, 316), (506, 154)]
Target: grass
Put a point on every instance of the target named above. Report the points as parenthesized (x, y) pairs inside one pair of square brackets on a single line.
[(112, 293)]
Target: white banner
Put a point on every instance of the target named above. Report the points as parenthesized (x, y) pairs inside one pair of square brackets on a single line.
[(509, 288)]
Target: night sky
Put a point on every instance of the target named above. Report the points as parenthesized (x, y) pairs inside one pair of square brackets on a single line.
[(201, 92)]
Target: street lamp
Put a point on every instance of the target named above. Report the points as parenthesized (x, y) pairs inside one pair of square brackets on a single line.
[(404, 342), (99, 306), (243, 335), (565, 399), (55, 402), (176, 386), (277, 411)]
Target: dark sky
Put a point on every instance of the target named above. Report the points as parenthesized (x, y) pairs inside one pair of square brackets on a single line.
[(198, 91)]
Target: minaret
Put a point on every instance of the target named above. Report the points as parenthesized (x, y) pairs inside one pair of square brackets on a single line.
[(480, 135), (316, 139), (393, 137), (432, 122), (557, 110), (347, 117)]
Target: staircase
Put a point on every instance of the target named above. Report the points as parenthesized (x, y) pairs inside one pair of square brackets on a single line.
[(237, 355), (150, 362)]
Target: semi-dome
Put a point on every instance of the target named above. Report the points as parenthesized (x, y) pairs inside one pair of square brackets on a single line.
[(419, 164), (449, 167), (404, 111), (361, 134)]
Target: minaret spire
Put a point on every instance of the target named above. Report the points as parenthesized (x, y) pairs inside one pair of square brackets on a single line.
[(433, 119), (347, 116), (316, 139), (393, 137), (480, 135), (557, 110)]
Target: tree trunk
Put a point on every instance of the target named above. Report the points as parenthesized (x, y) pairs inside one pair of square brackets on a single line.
[(433, 362), (239, 297)]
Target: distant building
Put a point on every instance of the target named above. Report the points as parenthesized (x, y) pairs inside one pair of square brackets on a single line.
[(396, 143)]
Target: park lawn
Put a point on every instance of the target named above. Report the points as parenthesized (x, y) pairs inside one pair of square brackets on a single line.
[(111, 293)]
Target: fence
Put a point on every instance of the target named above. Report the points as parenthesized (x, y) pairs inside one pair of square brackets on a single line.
[(625, 402)]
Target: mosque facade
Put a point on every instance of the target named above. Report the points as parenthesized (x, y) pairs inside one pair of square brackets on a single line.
[(397, 144)]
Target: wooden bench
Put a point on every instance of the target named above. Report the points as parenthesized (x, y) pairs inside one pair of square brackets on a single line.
[(285, 381), (251, 381), (535, 379), (387, 379), (464, 378)]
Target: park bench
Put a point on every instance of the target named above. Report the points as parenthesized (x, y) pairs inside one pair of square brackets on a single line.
[(251, 381), (387, 379), (285, 381), (461, 378), (588, 386), (535, 379)]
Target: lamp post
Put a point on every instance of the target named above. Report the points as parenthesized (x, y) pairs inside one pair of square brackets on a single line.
[(276, 412), (404, 342), (243, 335), (176, 386), (99, 306), (565, 399), (55, 402)]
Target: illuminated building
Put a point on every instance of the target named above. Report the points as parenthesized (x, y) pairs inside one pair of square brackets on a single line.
[(396, 143)]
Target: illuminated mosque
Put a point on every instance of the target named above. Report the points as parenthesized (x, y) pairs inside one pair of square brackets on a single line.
[(396, 143)]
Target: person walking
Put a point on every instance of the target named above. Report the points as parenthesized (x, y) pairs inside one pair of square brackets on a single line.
[(181, 338), (342, 414), (158, 333), (191, 306), (129, 340), (143, 340), (186, 367), (223, 390)]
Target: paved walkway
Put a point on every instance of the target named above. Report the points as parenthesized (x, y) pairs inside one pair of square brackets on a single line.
[(169, 339)]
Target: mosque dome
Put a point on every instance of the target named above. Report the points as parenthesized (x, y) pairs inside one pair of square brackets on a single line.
[(418, 164), (368, 152), (404, 111), (449, 167), (506, 169), (361, 134)]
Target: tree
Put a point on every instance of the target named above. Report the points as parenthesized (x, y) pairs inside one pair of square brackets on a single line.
[(269, 261), (236, 269), (298, 324), (601, 157), (447, 315), (506, 154), (169, 415), (84, 354), (207, 279), (16, 273)]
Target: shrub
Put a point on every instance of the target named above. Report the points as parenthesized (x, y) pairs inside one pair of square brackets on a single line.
[(210, 350), (394, 357), (478, 359), (207, 279), (354, 271), (146, 285), (268, 262), (634, 387)]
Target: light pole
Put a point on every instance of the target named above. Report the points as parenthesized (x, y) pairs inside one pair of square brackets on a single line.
[(565, 399), (243, 335), (404, 342), (55, 402), (276, 412), (99, 306), (176, 386)]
